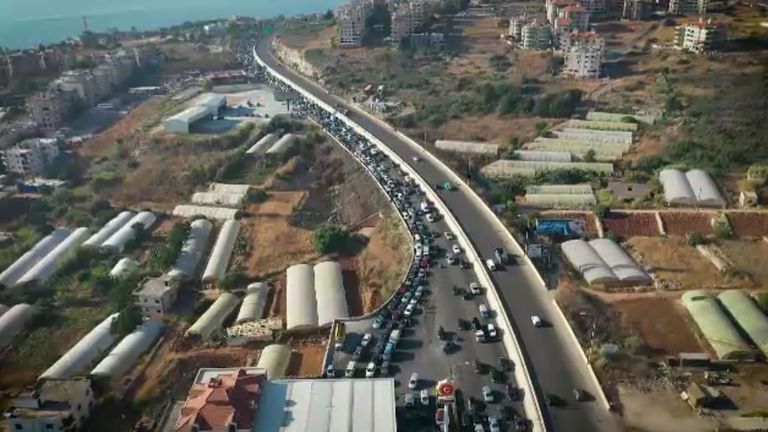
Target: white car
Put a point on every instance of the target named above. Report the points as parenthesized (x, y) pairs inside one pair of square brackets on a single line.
[(456, 249), (424, 396), (448, 235), (417, 239), (410, 400), (409, 310), (416, 159), (430, 217), (492, 331), (536, 320), (490, 264), (474, 288), (370, 371), (487, 394), (493, 423), (366, 340), (414, 381), (330, 371)]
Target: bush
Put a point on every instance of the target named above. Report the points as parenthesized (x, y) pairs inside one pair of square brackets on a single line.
[(694, 238), (232, 279), (127, 320), (330, 238), (589, 156), (762, 300)]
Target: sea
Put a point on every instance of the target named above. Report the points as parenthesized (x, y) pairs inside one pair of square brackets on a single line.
[(28, 23)]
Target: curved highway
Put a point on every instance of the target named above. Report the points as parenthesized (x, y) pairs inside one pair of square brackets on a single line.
[(555, 361)]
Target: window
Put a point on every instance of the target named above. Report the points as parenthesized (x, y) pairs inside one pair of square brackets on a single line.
[(79, 407), (18, 426), (159, 311), (49, 426)]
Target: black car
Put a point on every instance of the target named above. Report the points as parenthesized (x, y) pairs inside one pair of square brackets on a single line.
[(467, 295), (513, 393), (457, 291), (554, 400), (358, 352), (506, 364), (498, 376), (463, 324), (580, 395), (476, 324), (521, 424), (480, 368)]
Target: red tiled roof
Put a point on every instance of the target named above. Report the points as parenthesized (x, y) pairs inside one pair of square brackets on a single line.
[(230, 397), (564, 21)]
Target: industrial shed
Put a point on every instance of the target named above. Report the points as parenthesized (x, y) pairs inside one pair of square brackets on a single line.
[(505, 168), (193, 249), (116, 242), (47, 266), (252, 308), (215, 213), (84, 353), (748, 316), (124, 267), (181, 122), (124, 355), (262, 145), (620, 263), (213, 318), (283, 144), (329, 293), (714, 324), (694, 188), (220, 199), (546, 156), (11, 275), (274, 359), (107, 230), (13, 321), (301, 304), (586, 261), (222, 251), (467, 147)]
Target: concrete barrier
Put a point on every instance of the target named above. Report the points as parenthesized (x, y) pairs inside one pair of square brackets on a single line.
[(509, 339)]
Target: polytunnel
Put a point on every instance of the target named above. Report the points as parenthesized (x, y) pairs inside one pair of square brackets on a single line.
[(123, 268), (222, 251), (193, 249), (714, 324), (329, 293), (109, 229), (620, 263), (213, 318), (588, 262), (11, 275), (283, 144), (116, 242), (12, 321), (85, 352), (123, 356), (217, 213), (748, 316), (46, 267), (541, 155), (252, 308), (229, 188), (467, 147), (274, 359), (677, 189), (704, 189), (264, 143), (218, 199), (301, 304)]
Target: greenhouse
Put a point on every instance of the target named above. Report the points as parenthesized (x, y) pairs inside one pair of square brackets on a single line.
[(505, 168), (274, 359), (222, 252), (212, 320), (617, 259), (217, 198), (229, 188), (11, 275), (252, 308), (601, 125), (615, 137), (108, 229), (575, 189), (215, 213), (467, 147), (84, 353), (570, 201), (716, 327), (261, 145), (116, 242), (13, 321), (618, 117), (283, 144), (601, 151), (546, 156), (748, 316), (586, 261), (694, 188), (3, 309), (122, 358), (301, 304), (123, 268), (329, 292), (193, 249), (47, 266)]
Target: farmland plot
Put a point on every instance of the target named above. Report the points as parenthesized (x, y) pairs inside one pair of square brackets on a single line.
[(626, 225), (748, 224), (681, 223)]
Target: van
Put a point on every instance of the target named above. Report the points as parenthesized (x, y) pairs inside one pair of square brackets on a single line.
[(350, 371), (484, 312)]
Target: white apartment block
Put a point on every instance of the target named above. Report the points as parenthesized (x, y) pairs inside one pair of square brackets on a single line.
[(516, 24), (407, 18), (350, 19), (536, 36), (155, 296), (583, 54), (59, 405), (700, 37), (49, 108), (701, 7), (30, 157)]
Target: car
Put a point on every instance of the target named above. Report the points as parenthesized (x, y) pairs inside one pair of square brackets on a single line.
[(457, 291), (448, 235), (474, 288), (476, 324), (487, 394), (424, 397), (497, 376), (384, 369), (456, 249), (465, 264), (378, 321), (357, 353), (506, 364), (370, 371), (521, 424), (366, 340), (463, 324), (438, 186), (467, 295), (493, 424), (580, 395), (480, 367), (416, 159), (501, 255), (330, 371), (491, 330), (449, 186), (449, 346), (410, 400), (431, 217), (424, 263), (413, 382), (554, 400), (536, 321), (490, 264), (409, 310), (450, 259), (471, 404), (513, 393), (480, 336), (417, 240), (479, 427)]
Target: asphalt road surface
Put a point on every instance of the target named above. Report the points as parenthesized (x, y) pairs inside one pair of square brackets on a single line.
[(553, 361)]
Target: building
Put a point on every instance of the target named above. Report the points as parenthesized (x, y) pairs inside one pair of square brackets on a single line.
[(583, 54), (205, 106), (700, 37), (701, 7), (30, 157), (60, 405), (637, 10), (407, 18), (350, 19), (82, 83), (427, 41), (516, 24), (155, 296), (553, 8), (594, 6), (535, 36), (49, 108), (569, 19)]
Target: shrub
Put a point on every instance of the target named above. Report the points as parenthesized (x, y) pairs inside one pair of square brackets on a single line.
[(330, 238), (694, 238)]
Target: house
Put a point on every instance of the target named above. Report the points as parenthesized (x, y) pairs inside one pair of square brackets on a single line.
[(59, 405), (626, 191), (155, 296), (701, 37), (583, 54)]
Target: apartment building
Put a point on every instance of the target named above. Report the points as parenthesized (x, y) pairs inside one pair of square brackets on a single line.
[(30, 157), (350, 19), (516, 24), (407, 19), (155, 296), (569, 19), (594, 6), (637, 10), (553, 8), (583, 54), (701, 37), (701, 7), (59, 405), (536, 36), (50, 107)]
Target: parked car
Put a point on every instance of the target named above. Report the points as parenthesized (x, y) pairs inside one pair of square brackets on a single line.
[(493, 424), (536, 321), (490, 264), (491, 330), (501, 255), (366, 340), (448, 235), (413, 382), (513, 393), (474, 288), (424, 397), (370, 371), (410, 400), (330, 371), (487, 394), (456, 249), (506, 364), (476, 324)]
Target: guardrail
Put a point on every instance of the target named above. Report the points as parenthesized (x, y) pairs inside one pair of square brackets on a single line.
[(509, 339)]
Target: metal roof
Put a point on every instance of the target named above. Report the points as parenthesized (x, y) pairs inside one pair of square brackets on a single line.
[(116, 242), (11, 275), (695, 187), (222, 251), (193, 249), (189, 115), (715, 325), (748, 316), (283, 144), (213, 318), (47, 266), (13, 320), (264, 143), (216, 213), (274, 359), (587, 262), (327, 406), (704, 189), (124, 355), (561, 200), (622, 265), (329, 292), (229, 188), (108, 229), (253, 305), (85, 351), (301, 304)]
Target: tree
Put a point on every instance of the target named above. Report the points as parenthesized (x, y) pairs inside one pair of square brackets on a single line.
[(694, 238), (589, 155), (508, 104), (231, 280), (330, 238), (127, 320), (328, 15)]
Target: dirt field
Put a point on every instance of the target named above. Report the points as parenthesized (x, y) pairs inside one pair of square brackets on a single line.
[(748, 256), (307, 358), (627, 225), (748, 224), (491, 128), (659, 409), (653, 318), (682, 223)]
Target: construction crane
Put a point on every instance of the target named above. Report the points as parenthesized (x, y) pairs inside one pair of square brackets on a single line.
[(85, 24)]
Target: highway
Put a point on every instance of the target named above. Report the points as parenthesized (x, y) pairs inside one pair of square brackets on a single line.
[(553, 358)]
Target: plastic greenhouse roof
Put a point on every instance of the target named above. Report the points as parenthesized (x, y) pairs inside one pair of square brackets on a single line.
[(301, 304), (622, 265), (748, 316), (561, 200), (467, 147), (587, 262), (560, 189), (274, 359), (719, 331), (329, 291)]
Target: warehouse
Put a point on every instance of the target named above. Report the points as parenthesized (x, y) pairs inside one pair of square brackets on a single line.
[(84, 353), (274, 359), (540, 155), (694, 188), (13, 321), (116, 242), (215, 213), (47, 266), (107, 230), (122, 358), (11, 275), (192, 250), (222, 251), (252, 308), (206, 105), (714, 324), (329, 293), (283, 144), (212, 320), (301, 304), (467, 147), (748, 316), (262, 145), (218, 199), (123, 268)]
